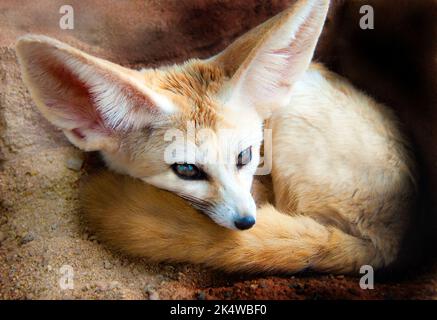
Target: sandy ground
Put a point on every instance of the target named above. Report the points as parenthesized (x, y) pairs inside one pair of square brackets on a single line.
[(42, 236)]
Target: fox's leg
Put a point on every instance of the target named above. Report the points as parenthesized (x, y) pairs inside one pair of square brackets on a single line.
[(144, 221)]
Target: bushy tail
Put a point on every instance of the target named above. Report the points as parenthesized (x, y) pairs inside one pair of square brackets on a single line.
[(144, 221)]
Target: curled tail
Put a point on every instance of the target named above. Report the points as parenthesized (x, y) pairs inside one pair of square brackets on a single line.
[(142, 220)]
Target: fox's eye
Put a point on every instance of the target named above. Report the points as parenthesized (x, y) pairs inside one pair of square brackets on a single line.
[(188, 171), (244, 157)]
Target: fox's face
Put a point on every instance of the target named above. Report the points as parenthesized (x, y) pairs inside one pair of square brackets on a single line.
[(203, 151), (194, 129)]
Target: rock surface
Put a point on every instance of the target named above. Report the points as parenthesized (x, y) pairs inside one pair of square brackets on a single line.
[(46, 251)]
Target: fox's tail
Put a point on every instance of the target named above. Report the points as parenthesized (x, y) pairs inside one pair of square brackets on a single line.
[(144, 221)]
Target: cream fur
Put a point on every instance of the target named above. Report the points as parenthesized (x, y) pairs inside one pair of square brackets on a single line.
[(343, 179)]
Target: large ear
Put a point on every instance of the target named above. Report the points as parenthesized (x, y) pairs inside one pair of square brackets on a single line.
[(264, 63), (90, 99)]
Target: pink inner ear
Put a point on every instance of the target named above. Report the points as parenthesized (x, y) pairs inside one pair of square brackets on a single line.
[(78, 134), (287, 54), (81, 95), (71, 103), (79, 116)]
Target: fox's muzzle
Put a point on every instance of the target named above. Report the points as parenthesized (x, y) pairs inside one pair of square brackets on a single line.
[(244, 223)]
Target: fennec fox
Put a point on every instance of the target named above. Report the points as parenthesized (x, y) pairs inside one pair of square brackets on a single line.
[(343, 179)]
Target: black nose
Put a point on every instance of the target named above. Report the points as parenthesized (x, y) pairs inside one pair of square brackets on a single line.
[(244, 223)]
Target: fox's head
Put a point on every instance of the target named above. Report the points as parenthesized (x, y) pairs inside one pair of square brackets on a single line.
[(194, 129)]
